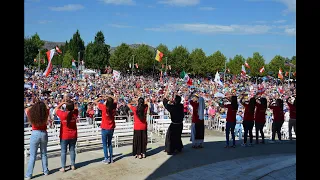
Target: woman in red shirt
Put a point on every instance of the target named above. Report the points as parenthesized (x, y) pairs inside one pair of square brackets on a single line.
[(248, 119), (260, 117), (278, 118), (108, 111), (38, 117), (140, 138), (231, 120), (90, 113), (292, 120), (68, 132)]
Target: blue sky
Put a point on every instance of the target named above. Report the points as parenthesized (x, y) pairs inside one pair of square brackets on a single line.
[(231, 26)]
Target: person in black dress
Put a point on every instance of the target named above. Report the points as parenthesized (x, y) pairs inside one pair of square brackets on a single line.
[(173, 141)]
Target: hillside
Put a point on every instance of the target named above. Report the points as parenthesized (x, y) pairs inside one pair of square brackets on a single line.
[(50, 45)]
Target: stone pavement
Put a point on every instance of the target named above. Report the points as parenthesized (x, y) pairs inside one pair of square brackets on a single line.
[(261, 158), (245, 168)]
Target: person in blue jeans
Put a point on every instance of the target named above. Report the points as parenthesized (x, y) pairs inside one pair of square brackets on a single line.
[(68, 132), (238, 128), (108, 111), (38, 117), (231, 119)]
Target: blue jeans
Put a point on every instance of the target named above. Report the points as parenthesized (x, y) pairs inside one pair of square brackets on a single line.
[(72, 146), (238, 131), (37, 138), (230, 127), (107, 142)]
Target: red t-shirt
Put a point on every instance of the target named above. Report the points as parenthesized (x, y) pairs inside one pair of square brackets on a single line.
[(292, 110), (247, 115), (139, 124), (278, 114), (107, 121), (195, 116), (260, 114), (231, 113), (68, 132), (41, 128)]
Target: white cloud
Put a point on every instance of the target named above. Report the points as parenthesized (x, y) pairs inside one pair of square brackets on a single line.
[(280, 21), (207, 8), (44, 22), (119, 26), (291, 5), (290, 31), (119, 2), (69, 7), (180, 2), (260, 22), (214, 29)]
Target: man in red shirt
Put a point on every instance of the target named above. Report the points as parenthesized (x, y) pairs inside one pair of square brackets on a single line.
[(278, 118)]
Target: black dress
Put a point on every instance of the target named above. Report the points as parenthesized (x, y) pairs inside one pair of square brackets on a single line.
[(173, 137)]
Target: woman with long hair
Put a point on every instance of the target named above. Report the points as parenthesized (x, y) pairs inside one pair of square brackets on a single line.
[(108, 111), (248, 119), (140, 138), (173, 137), (260, 117), (292, 120), (68, 132), (38, 117), (231, 119), (278, 118)]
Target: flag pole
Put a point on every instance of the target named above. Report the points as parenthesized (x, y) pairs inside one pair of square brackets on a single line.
[(132, 65), (224, 74), (39, 61), (289, 77)]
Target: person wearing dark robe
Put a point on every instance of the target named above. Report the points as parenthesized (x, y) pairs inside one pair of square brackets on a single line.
[(197, 126), (173, 141)]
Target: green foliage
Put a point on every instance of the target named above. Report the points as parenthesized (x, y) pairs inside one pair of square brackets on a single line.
[(97, 53), (75, 45), (30, 51), (180, 59), (67, 60), (197, 59), (235, 64), (121, 58), (275, 64), (256, 63), (144, 57), (215, 62)]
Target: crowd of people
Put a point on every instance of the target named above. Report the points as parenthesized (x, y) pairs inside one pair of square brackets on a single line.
[(61, 98)]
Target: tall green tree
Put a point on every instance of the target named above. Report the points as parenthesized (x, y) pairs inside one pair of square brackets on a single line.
[(76, 44), (144, 57), (97, 53), (216, 62), (67, 60), (30, 51), (121, 58), (275, 64), (180, 59), (36, 39), (166, 54), (198, 58), (256, 63), (235, 64)]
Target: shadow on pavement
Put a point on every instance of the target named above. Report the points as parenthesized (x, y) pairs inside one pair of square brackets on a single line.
[(215, 152)]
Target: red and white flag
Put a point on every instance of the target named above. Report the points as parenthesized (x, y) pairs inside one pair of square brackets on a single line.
[(261, 70), (50, 55), (137, 65), (280, 76), (243, 71), (247, 65)]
